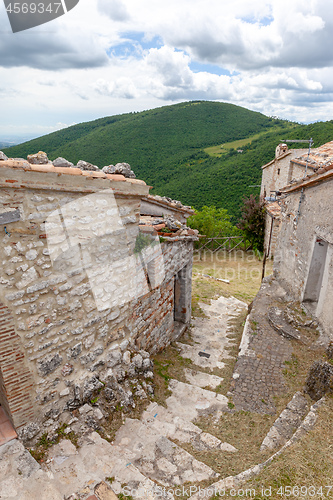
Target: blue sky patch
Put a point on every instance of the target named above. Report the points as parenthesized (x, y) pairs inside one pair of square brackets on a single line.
[(133, 45), (264, 21), (197, 67)]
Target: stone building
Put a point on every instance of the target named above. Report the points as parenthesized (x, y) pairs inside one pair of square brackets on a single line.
[(275, 175), (83, 291), (279, 172), (304, 253), (288, 166)]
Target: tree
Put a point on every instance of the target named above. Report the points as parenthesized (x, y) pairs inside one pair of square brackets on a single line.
[(212, 222), (252, 222)]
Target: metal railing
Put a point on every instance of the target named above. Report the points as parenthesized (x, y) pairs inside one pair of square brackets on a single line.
[(227, 243)]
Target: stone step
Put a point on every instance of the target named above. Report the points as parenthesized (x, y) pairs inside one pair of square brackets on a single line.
[(21, 477), (77, 472), (210, 359), (225, 306), (179, 429), (209, 336), (286, 424), (159, 458), (190, 402), (202, 379)]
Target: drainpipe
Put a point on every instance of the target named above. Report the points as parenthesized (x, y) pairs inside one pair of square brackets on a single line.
[(266, 254), (307, 160)]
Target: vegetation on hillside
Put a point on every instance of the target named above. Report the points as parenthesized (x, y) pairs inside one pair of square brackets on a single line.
[(166, 148)]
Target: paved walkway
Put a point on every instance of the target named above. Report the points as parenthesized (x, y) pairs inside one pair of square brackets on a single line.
[(258, 374)]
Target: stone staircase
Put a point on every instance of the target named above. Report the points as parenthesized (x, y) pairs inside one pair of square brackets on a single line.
[(144, 453)]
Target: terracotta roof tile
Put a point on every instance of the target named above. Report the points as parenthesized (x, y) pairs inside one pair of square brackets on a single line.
[(42, 168), (321, 175), (273, 209), (319, 157), (67, 171), (321, 164)]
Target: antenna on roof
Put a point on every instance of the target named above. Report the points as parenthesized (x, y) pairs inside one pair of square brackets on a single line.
[(310, 142)]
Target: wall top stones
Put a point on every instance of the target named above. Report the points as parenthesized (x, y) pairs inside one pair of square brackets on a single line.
[(21, 174)]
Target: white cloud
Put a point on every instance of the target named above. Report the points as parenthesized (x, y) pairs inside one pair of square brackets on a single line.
[(114, 56), (115, 9), (122, 88)]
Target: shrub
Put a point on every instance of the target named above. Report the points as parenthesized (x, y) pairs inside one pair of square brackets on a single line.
[(252, 222)]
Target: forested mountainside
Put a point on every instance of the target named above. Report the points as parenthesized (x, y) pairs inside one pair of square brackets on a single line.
[(200, 152)]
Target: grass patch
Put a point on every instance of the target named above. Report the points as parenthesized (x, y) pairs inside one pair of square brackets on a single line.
[(220, 149), (116, 418), (125, 497), (242, 269), (243, 430), (39, 451), (307, 463), (168, 364)]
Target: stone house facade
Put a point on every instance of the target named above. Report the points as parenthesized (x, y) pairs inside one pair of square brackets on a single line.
[(304, 253), (279, 172), (82, 289), (275, 175), (288, 166)]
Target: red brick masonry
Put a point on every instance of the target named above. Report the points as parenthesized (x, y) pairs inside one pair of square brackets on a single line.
[(16, 381)]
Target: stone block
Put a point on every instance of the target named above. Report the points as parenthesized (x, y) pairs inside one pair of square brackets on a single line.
[(75, 351), (49, 364), (329, 351), (113, 359), (90, 387)]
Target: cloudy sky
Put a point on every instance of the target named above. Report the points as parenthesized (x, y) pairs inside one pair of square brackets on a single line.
[(106, 57)]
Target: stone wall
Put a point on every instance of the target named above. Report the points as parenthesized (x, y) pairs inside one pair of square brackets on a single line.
[(59, 336), (280, 171), (293, 263)]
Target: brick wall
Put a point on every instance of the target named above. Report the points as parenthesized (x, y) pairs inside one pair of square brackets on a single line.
[(16, 382)]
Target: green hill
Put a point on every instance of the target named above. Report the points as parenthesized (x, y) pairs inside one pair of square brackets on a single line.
[(165, 147)]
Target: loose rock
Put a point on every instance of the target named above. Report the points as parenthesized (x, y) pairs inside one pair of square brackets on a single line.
[(62, 162), (39, 158), (119, 168), (84, 165)]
